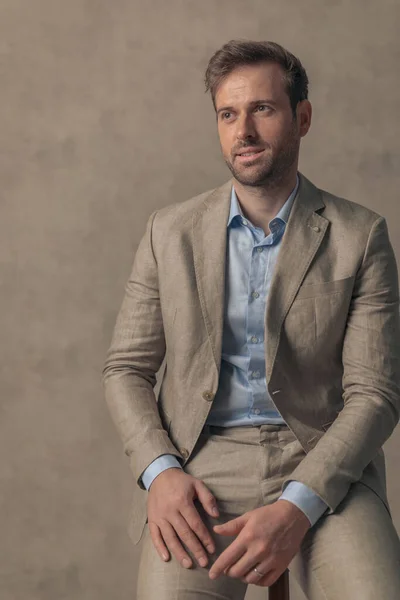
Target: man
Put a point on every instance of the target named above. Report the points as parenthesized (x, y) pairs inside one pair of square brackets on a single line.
[(276, 305)]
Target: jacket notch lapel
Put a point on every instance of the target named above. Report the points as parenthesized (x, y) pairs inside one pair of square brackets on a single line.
[(209, 235), (302, 238)]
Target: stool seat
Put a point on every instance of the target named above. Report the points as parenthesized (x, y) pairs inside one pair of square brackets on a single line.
[(280, 589)]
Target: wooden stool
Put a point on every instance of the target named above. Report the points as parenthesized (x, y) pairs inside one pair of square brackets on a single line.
[(280, 589)]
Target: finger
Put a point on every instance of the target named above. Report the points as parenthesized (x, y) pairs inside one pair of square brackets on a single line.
[(245, 565), (189, 537), (227, 559), (256, 580), (171, 542), (265, 581), (206, 498), (158, 541), (192, 516)]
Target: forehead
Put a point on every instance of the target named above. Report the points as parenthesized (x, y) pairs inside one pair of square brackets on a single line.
[(250, 81)]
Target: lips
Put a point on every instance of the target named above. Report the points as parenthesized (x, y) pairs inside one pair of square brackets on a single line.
[(252, 157), (246, 150)]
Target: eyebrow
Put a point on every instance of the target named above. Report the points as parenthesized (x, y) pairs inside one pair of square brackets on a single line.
[(253, 103)]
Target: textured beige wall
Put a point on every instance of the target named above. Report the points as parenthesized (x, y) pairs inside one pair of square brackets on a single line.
[(104, 119)]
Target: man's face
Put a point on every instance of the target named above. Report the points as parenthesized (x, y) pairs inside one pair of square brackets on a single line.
[(268, 125)]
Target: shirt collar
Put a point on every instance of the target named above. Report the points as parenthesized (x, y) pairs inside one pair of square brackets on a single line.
[(283, 214)]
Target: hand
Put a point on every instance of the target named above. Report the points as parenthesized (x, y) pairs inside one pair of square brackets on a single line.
[(267, 538), (172, 515)]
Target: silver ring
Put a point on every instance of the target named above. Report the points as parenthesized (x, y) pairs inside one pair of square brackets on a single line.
[(258, 572)]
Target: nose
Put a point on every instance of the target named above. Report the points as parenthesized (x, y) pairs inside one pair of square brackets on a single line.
[(245, 128)]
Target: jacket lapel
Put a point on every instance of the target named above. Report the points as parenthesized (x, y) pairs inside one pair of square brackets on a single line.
[(303, 235)]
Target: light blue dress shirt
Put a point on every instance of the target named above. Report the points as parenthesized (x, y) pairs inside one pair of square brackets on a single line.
[(242, 397)]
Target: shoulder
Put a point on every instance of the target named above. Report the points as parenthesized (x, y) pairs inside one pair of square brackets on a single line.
[(350, 211), (184, 207), (175, 215), (351, 222)]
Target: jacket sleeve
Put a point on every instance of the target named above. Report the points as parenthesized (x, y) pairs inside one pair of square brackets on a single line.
[(134, 357), (371, 378)]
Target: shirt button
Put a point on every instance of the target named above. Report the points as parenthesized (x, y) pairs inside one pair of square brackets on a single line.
[(255, 294), (259, 249), (254, 339), (257, 411), (244, 221)]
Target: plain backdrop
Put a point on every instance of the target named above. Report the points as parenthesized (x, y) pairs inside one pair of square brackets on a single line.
[(103, 120)]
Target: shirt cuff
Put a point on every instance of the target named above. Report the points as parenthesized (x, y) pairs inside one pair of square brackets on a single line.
[(160, 464), (305, 499)]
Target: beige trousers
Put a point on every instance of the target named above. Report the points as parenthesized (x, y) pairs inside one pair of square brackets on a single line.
[(353, 554)]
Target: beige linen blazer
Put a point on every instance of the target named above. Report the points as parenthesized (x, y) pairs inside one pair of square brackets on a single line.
[(331, 327)]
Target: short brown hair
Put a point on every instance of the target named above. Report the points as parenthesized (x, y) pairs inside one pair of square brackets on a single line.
[(236, 53)]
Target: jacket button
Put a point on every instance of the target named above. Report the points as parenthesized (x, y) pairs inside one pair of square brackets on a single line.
[(209, 396), (184, 452), (315, 227)]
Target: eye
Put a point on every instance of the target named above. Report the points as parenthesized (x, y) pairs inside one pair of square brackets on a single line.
[(259, 106)]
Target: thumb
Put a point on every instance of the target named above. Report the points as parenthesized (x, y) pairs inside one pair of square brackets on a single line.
[(206, 498), (233, 527)]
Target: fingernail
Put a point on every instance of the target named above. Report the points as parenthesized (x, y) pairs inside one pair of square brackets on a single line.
[(186, 562), (210, 549), (215, 511)]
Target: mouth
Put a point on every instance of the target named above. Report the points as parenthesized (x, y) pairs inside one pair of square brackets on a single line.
[(251, 156)]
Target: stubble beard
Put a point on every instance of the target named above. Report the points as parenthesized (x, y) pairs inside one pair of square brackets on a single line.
[(272, 169)]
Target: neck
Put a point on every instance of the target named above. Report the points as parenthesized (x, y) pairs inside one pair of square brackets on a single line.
[(262, 203)]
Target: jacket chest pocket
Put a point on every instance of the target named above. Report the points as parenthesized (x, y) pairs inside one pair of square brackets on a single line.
[(323, 288), (318, 313)]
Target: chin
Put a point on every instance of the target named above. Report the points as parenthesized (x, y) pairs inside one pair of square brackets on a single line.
[(251, 180)]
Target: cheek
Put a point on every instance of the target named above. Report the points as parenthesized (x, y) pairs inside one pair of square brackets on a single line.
[(279, 132)]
